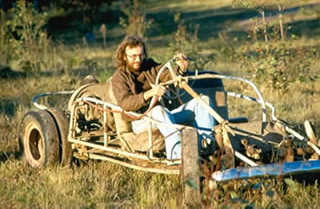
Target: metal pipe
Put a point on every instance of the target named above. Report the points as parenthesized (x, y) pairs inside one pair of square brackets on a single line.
[(302, 138), (267, 170), (273, 109), (264, 115), (105, 126), (42, 107), (150, 139), (244, 158), (122, 152), (166, 170), (117, 108)]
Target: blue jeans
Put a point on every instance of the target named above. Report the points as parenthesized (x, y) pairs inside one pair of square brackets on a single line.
[(192, 113)]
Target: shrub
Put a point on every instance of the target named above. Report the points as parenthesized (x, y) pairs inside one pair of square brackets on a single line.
[(136, 22), (269, 57), (185, 39), (4, 41), (26, 40), (182, 40)]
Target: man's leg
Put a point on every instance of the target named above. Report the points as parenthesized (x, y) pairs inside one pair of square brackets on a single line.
[(196, 114), (172, 135)]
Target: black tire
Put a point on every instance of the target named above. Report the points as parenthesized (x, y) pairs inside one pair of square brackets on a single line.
[(62, 124), (39, 139)]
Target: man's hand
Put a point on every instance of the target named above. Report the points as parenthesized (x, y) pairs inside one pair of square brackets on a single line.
[(156, 90), (182, 62)]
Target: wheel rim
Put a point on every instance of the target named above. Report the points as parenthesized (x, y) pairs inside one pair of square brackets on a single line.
[(34, 145)]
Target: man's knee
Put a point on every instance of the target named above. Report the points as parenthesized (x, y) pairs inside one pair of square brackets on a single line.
[(158, 108), (206, 99), (158, 112)]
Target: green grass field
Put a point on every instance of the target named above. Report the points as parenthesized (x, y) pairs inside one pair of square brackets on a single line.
[(222, 33)]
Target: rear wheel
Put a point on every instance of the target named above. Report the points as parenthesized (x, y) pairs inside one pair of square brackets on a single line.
[(62, 125), (39, 139)]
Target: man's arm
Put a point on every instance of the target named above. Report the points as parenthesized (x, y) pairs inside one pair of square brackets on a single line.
[(182, 67), (182, 62), (126, 99), (156, 90)]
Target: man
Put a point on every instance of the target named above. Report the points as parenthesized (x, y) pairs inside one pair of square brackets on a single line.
[(133, 86)]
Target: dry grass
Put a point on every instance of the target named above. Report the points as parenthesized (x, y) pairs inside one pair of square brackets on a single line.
[(93, 185)]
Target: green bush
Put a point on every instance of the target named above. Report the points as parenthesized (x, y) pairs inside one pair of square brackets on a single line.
[(136, 22), (182, 40), (269, 57), (280, 66), (4, 41), (185, 39), (26, 41)]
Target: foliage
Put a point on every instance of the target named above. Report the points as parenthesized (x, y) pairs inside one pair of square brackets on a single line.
[(136, 22), (182, 40), (262, 193), (4, 40), (280, 66), (252, 4), (87, 4), (187, 42), (25, 43), (26, 40), (248, 3), (270, 58)]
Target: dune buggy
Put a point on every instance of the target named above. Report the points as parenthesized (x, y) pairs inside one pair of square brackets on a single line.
[(91, 127)]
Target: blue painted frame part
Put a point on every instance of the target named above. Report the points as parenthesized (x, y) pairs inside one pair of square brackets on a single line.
[(268, 170)]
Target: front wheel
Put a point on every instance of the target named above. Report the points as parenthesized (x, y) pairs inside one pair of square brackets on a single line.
[(39, 139)]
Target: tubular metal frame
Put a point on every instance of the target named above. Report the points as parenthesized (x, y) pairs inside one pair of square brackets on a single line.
[(235, 173)]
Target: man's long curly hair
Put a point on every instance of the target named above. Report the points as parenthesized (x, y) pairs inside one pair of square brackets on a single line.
[(131, 41)]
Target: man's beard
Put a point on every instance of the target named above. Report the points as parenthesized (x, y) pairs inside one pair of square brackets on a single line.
[(135, 66)]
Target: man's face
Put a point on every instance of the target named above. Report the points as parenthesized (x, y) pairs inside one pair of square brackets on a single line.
[(134, 57)]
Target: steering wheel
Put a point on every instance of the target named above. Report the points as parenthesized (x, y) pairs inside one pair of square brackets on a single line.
[(173, 88)]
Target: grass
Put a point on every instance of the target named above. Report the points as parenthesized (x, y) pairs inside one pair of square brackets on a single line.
[(94, 185), (104, 185)]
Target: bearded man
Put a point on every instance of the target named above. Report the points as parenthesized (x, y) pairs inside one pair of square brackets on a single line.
[(133, 85)]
